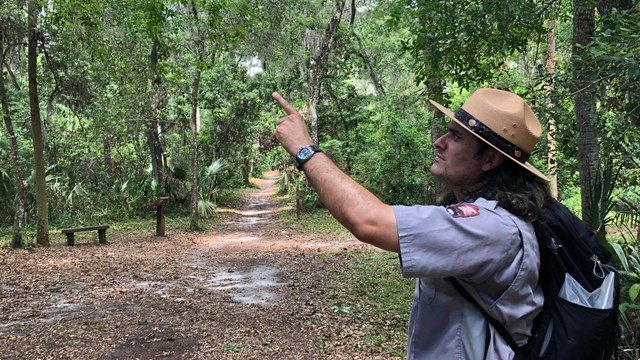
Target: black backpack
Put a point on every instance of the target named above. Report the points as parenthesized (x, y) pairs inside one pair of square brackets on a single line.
[(563, 330)]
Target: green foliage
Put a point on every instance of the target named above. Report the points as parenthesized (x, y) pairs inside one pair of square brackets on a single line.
[(232, 198), (207, 179), (631, 269), (468, 42), (207, 188), (394, 164), (205, 208), (236, 101), (614, 52), (629, 258), (234, 347), (603, 200), (316, 221), (7, 193)]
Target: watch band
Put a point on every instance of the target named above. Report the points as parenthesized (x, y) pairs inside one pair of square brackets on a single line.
[(305, 153)]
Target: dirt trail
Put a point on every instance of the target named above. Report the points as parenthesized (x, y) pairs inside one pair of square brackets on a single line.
[(250, 287)]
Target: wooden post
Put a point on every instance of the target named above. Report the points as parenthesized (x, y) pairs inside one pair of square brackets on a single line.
[(159, 221), (298, 202), (70, 239), (158, 206), (102, 236)]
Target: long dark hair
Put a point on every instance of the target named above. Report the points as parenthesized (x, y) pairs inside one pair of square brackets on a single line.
[(514, 188)]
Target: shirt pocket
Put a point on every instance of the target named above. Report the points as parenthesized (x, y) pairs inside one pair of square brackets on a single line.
[(425, 291)]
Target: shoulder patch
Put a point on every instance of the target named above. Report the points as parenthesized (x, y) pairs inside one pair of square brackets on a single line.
[(463, 210)]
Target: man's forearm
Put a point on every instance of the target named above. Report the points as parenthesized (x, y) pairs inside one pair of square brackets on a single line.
[(355, 207)]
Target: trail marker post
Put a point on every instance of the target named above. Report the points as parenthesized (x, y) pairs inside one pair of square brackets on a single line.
[(158, 206)]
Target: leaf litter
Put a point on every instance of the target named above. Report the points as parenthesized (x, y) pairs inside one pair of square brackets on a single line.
[(250, 287)]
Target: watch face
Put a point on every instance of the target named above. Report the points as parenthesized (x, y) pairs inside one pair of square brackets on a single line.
[(305, 153)]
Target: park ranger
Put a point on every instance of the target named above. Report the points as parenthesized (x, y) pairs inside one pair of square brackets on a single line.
[(481, 235)]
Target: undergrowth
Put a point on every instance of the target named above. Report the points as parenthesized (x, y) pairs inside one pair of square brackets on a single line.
[(372, 292)]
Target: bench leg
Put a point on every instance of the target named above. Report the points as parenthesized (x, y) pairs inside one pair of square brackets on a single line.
[(102, 236), (70, 239)]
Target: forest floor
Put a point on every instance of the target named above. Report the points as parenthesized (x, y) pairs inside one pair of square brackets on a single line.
[(249, 287)]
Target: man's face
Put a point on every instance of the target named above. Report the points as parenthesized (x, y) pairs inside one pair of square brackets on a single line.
[(456, 160)]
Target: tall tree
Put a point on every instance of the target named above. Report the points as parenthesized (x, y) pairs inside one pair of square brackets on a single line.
[(42, 211), (366, 59), (552, 154), (434, 91), (320, 65), (199, 38), (154, 13), (16, 239), (584, 90), (154, 131)]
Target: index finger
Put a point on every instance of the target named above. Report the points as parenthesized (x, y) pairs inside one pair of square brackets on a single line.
[(284, 104)]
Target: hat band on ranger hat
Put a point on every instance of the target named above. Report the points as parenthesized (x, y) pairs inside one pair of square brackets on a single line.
[(476, 126)]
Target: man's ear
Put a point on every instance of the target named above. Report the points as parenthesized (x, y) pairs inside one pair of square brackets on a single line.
[(492, 159)]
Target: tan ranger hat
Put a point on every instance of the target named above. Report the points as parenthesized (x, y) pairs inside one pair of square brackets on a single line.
[(503, 120)]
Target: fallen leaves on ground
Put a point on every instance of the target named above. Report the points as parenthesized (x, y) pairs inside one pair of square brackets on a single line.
[(249, 287)]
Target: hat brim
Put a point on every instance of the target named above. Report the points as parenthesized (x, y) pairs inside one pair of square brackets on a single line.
[(525, 165)]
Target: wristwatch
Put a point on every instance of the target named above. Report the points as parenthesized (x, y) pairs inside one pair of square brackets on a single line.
[(305, 153)]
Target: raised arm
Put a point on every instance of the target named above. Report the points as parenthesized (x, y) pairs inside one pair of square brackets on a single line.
[(364, 215)]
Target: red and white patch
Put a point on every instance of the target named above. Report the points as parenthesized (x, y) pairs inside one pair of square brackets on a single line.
[(463, 210)]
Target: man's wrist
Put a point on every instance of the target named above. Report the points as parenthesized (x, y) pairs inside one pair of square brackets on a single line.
[(304, 154)]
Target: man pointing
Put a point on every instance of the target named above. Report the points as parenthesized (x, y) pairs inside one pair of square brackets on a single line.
[(482, 235)]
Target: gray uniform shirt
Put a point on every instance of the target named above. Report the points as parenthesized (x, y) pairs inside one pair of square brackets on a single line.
[(493, 253)]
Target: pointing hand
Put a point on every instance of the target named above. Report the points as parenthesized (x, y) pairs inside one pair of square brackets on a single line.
[(291, 130)]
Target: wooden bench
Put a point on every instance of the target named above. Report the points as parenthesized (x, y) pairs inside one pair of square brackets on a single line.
[(102, 233)]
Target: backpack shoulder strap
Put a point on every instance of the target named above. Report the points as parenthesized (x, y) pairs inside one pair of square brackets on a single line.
[(495, 323)]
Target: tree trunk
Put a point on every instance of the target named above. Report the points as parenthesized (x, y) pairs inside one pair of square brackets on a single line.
[(585, 101), (195, 119), (370, 70), (320, 68), (16, 239), (42, 212), (154, 132), (435, 91), (552, 155), (108, 162), (155, 150), (195, 223)]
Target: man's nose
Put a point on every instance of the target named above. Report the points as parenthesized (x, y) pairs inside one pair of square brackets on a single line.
[(439, 143)]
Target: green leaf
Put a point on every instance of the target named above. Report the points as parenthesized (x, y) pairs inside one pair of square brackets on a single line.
[(633, 291), (234, 347), (621, 255)]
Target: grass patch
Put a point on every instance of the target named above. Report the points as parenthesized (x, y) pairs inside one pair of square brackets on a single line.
[(311, 221), (372, 290), (625, 236), (130, 227), (318, 221), (232, 198)]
